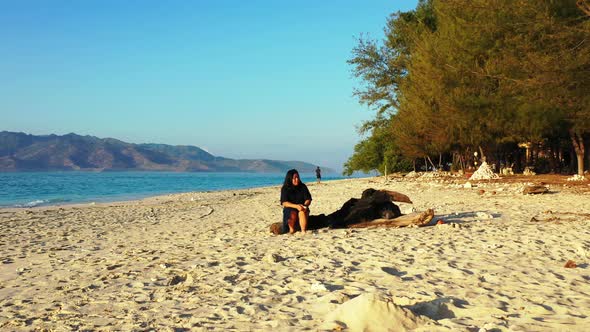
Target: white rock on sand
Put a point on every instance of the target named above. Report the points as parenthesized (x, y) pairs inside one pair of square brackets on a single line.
[(206, 261)]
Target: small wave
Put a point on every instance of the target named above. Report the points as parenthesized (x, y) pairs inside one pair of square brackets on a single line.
[(39, 202), (31, 204)]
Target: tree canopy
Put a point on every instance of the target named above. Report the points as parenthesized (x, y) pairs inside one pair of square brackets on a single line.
[(457, 76)]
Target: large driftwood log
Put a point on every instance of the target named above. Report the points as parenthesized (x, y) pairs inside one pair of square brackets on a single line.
[(417, 218), (373, 205)]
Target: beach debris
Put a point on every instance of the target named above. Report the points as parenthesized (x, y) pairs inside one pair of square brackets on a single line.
[(570, 264), (433, 175), (528, 171), (535, 189), (484, 172), (440, 222), (276, 228), (372, 312), (211, 210), (577, 177), (506, 171), (481, 191), (467, 185)]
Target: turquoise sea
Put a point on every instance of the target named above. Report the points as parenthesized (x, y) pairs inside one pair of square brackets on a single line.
[(29, 189)]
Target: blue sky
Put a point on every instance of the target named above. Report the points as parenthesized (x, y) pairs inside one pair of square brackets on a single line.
[(241, 79)]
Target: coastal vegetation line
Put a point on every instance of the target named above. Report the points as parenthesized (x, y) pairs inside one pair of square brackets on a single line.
[(458, 80)]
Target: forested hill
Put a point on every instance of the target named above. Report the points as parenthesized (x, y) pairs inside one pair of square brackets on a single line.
[(23, 152)]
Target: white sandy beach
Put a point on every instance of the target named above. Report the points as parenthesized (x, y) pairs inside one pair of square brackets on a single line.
[(206, 261)]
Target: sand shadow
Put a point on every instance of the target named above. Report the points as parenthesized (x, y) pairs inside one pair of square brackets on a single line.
[(394, 272), (467, 217), (438, 309), (332, 288)]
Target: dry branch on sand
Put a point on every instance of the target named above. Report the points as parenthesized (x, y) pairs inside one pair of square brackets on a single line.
[(412, 219)]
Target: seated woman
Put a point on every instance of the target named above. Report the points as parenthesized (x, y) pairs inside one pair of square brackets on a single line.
[(295, 199)]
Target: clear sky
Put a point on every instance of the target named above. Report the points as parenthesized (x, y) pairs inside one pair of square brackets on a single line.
[(240, 79)]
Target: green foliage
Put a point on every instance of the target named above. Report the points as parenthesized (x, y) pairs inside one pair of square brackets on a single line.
[(463, 75), (375, 152)]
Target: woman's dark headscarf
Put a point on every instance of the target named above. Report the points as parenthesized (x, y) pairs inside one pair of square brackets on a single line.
[(289, 178)]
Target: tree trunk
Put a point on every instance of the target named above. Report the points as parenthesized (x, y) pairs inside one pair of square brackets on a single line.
[(483, 156), (578, 142), (584, 6), (431, 163)]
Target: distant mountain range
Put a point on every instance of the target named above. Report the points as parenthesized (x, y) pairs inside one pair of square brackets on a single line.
[(23, 152)]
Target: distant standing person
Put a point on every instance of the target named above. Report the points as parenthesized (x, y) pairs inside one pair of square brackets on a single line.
[(295, 199), (318, 174)]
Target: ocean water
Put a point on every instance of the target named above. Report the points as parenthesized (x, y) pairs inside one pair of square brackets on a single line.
[(29, 189)]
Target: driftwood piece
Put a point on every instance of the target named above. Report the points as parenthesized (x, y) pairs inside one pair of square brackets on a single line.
[(417, 218), (398, 197), (549, 216), (535, 189), (276, 228)]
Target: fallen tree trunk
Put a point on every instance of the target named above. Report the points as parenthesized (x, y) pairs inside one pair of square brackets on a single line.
[(417, 218)]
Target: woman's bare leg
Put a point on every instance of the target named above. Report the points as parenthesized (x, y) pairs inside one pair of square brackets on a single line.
[(303, 220), (291, 222)]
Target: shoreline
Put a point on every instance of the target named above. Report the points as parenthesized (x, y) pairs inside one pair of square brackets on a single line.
[(139, 200), (206, 260), (69, 198)]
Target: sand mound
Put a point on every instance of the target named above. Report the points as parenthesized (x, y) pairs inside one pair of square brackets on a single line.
[(372, 312), (484, 172), (412, 174)]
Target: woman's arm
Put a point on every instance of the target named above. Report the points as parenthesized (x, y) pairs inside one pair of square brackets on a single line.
[(298, 207)]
